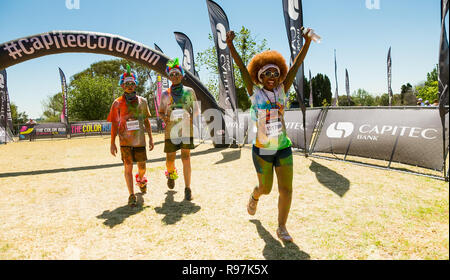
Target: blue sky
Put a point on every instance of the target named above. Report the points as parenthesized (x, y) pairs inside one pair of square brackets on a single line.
[(361, 37)]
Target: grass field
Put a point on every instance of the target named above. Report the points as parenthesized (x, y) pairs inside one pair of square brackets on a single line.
[(67, 199)]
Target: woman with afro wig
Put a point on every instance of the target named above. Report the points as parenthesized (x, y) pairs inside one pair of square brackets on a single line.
[(267, 79)]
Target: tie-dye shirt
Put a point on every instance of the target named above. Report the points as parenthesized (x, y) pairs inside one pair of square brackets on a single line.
[(267, 111), (130, 118), (170, 102)]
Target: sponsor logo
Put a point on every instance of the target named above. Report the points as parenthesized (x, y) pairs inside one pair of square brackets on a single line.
[(54, 40), (50, 131), (294, 125), (226, 73), (372, 132), (187, 60), (73, 4), (293, 9), (24, 130), (90, 128), (221, 36), (340, 130), (2, 81)]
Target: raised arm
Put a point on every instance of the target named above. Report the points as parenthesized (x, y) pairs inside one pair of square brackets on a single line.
[(290, 76), (238, 60)]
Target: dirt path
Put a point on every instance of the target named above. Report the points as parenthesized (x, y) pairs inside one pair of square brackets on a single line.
[(66, 199)]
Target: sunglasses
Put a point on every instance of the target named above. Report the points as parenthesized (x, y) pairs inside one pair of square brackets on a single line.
[(270, 74), (129, 84), (174, 74)]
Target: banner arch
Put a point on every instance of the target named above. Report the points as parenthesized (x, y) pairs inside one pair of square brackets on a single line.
[(56, 42)]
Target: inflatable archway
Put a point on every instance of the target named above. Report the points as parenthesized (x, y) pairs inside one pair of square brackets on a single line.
[(55, 42)]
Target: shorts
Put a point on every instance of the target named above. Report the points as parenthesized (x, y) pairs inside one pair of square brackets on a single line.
[(133, 154), (263, 158), (173, 146)]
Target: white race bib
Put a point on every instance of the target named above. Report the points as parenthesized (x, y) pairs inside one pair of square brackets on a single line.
[(177, 114), (132, 125), (273, 129)]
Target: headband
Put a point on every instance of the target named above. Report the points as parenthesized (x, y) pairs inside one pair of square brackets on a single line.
[(174, 64), (128, 76)]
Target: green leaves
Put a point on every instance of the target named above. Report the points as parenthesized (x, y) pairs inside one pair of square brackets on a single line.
[(321, 90), (90, 98), (430, 89), (53, 107), (92, 91)]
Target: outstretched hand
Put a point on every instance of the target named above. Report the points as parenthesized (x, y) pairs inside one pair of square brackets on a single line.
[(307, 34), (230, 37)]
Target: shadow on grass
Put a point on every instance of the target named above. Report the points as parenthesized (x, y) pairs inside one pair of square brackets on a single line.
[(174, 210), (274, 249), (330, 179), (117, 216), (100, 166), (230, 156)]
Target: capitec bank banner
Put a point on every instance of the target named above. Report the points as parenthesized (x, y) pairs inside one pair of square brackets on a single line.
[(90, 128), (411, 136), (294, 126), (293, 121)]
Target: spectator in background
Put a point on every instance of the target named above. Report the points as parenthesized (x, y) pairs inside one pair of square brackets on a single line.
[(420, 102), (31, 121), (435, 103), (427, 103)]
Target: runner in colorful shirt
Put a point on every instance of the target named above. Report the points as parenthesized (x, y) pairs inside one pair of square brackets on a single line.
[(177, 109), (267, 79), (129, 117)]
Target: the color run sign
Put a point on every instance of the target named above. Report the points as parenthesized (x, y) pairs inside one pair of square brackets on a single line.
[(79, 129)]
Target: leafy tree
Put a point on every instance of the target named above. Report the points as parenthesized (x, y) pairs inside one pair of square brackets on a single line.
[(429, 90), (90, 98), (53, 106), (363, 98), (242, 99), (292, 95), (112, 69), (321, 90), (396, 100), (344, 101), (404, 90), (382, 100), (325, 103), (18, 118), (247, 46), (410, 99)]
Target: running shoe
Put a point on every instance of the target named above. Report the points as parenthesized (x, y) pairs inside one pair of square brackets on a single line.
[(252, 204), (283, 234), (132, 200), (188, 194)]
